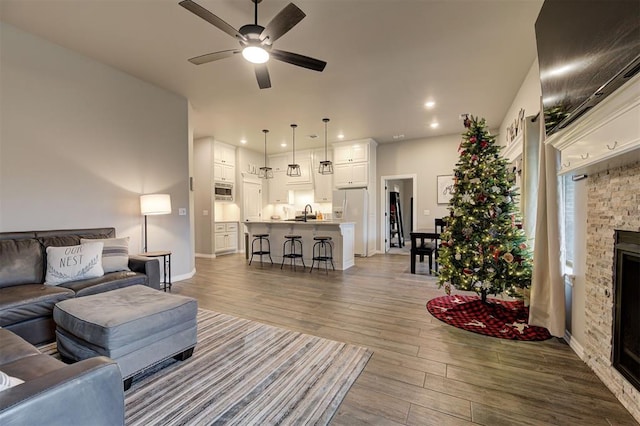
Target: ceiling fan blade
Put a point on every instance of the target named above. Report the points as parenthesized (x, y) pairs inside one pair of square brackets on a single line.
[(299, 60), (195, 8), (282, 22), (215, 56), (262, 74)]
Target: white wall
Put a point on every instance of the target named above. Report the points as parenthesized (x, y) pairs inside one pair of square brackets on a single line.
[(427, 158), (80, 141), (202, 185), (527, 98)]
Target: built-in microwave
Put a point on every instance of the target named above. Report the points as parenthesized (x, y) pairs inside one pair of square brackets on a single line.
[(223, 191)]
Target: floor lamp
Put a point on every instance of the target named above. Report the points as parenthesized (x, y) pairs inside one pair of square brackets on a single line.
[(153, 204)]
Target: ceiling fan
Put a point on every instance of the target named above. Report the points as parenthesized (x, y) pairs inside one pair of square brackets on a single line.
[(256, 41)]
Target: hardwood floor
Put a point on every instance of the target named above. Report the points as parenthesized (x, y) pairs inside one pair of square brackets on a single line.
[(422, 372)]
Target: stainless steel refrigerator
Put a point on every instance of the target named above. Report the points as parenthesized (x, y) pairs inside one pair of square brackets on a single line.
[(351, 205)]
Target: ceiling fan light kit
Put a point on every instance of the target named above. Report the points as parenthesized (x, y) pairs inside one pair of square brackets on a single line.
[(256, 40), (326, 166), (265, 172), (293, 169), (255, 54)]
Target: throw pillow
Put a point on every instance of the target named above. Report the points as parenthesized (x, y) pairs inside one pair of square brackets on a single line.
[(6, 381), (73, 263), (115, 253)]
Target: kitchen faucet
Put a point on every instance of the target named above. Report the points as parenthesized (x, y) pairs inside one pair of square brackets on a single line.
[(305, 211)]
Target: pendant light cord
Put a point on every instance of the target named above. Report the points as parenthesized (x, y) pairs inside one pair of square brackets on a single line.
[(293, 129), (265, 131), (326, 120)]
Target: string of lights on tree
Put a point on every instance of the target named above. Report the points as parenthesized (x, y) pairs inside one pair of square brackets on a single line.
[(483, 249)]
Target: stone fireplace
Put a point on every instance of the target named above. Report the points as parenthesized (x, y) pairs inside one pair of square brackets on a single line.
[(613, 204)]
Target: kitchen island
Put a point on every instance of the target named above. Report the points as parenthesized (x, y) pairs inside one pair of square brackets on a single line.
[(341, 233)]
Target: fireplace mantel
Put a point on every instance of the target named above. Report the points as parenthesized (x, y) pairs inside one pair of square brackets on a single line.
[(605, 137)]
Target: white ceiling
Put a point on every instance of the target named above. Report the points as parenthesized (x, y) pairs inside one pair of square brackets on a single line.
[(385, 58)]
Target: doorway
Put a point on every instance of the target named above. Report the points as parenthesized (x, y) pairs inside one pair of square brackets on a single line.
[(398, 212)]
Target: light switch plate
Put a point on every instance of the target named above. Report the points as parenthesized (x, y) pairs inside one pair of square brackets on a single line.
[(182, 211), (426, 212)]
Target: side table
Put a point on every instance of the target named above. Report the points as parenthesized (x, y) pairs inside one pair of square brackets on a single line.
[(166, 262)]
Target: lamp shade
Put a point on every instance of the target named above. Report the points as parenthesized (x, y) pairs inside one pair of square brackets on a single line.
[(155, 204)]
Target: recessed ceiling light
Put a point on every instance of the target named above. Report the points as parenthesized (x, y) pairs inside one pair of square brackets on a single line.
[(243, 141), (283, 144), (430, 104), (340, 136), (434, 125)]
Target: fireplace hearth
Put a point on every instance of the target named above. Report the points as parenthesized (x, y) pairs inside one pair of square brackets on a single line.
[(626, 333)]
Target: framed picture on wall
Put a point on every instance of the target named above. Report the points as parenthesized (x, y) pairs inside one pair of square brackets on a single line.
[(445, 188)]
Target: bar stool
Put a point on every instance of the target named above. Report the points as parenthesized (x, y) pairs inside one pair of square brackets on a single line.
[(291, 241), (322, 252), (260, 239)]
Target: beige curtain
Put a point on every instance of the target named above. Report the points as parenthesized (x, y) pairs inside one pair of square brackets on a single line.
[(546, 308)]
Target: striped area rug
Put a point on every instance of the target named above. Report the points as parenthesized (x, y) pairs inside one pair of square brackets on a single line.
[(246, 373)]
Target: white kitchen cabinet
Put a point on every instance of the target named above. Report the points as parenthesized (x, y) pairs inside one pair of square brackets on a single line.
[(322, 184), (351, 175), (351, 152), (224, 162), (226, 237), (278, 189), (224, 173), (354, 164)]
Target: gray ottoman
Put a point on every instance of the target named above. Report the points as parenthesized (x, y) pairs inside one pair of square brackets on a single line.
[(136, 326)]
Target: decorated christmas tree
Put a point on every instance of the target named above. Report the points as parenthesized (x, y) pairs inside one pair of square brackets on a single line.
[(483, 249)]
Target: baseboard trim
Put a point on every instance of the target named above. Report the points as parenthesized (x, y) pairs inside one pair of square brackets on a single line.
[(206, 255), (574, 344), (186, 276)]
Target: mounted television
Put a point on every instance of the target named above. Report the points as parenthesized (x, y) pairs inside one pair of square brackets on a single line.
[(586, 50)]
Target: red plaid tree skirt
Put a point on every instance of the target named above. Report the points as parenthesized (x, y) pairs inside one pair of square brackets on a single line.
[(498, 318)]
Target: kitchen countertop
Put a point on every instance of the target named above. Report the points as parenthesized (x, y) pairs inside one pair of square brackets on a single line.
[(308, 222)]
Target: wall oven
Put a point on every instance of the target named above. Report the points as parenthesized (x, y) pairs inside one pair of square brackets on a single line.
[(223, 191)]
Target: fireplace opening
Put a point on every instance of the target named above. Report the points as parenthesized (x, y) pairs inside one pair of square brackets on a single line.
[(626, 333)]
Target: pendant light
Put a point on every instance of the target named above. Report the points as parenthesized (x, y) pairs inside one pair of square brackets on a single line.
[(265, 172), (294, 169), (326, 166)]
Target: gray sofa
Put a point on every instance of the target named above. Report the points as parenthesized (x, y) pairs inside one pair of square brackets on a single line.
[(26, 304), (88, 392)]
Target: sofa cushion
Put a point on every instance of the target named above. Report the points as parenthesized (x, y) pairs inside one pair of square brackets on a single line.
[(27, 301), (21, 262), (72, 237), (107, 282), (33, 366), (14, 347), (73, 263), (115, 253)]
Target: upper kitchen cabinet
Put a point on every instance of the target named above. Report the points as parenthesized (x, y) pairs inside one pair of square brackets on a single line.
[(354, 164), (224, 162), (322, 184), (351, 152)]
